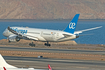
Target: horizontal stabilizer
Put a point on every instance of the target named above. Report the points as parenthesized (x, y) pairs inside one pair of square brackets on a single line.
[(78, 32)]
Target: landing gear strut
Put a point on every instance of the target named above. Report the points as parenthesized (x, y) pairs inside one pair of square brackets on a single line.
[(9, 41), (47, 44), (32, 44)]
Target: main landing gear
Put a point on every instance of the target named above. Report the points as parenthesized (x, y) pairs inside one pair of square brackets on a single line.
[(47, 44), (32, 44)]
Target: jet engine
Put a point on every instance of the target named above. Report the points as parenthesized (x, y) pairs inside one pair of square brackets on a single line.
[(13, 38)]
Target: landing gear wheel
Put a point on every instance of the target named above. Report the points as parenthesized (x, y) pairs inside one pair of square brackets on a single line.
[(9, 41), (47, 44), (32, 44)]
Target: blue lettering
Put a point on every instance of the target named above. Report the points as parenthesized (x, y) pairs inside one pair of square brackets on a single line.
[(20, 31)]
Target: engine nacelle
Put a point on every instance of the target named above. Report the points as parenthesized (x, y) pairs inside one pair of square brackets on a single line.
[(13, 38)]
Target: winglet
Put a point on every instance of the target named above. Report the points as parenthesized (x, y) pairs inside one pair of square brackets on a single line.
[(72, 25), (49, 67)]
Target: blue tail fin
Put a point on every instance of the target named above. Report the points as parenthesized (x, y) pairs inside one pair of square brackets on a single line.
[(72, 25)]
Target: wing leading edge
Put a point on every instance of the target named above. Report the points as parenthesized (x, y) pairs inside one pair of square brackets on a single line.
[(22, 35)]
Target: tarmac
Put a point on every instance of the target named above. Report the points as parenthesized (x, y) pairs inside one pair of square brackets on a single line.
[(69, 59), (33, 49), (56, 64)]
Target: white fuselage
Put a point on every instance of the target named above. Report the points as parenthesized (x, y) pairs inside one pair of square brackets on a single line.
[(41, 34)]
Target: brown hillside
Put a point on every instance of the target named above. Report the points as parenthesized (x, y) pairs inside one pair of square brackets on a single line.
[(52, 9)]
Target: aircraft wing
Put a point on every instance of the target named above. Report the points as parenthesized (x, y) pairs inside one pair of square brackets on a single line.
[(22, 35), (78, 32)]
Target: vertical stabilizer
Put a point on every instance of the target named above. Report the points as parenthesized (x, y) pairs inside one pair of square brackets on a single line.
[(72, 25), (3, 63)]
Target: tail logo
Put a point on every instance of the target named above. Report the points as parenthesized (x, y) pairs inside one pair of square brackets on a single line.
[(72, 25)]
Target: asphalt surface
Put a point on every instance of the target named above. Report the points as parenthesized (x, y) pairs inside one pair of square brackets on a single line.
[(53, 50), (56, 64)]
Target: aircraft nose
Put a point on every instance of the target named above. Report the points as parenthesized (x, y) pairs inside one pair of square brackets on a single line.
[(4, 34)]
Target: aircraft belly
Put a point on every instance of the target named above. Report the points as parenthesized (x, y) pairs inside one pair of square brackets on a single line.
[(50, 39), (42, 39)]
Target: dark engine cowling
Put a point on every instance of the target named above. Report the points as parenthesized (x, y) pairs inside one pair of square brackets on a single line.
[(13, 38)]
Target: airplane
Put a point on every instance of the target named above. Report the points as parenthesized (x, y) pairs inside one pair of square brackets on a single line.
[(5, 66), (14, 34)]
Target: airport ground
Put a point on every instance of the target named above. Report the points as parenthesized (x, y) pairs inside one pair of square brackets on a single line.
[(59, 56), (56, 64)]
